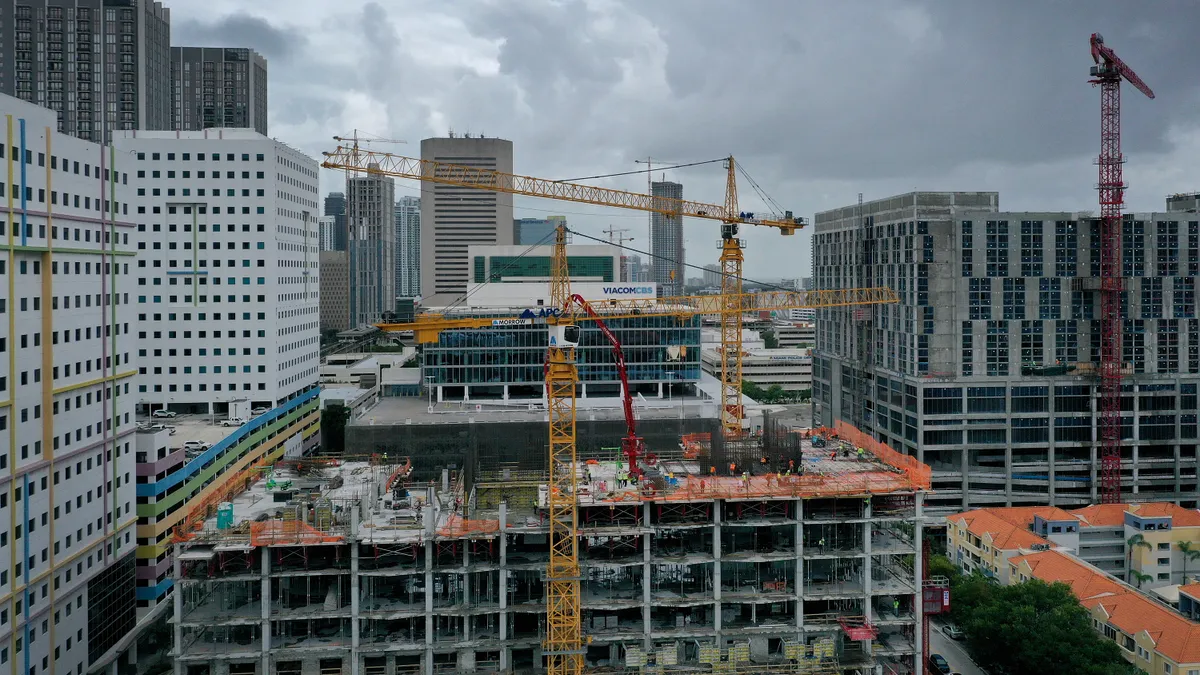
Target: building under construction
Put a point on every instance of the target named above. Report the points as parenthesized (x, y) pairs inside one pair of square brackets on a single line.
[(802, 561)]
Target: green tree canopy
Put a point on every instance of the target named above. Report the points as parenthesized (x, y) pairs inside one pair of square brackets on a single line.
[(1035, 627)]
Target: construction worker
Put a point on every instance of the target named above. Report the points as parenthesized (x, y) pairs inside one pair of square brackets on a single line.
[(762, 460), (821, 544), (712, 470), (896, 606), (791, 465), (862, 454), (732, 469)]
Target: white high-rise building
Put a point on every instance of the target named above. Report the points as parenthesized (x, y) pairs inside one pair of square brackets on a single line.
[(408, 247), (67, 367), (226, 280)]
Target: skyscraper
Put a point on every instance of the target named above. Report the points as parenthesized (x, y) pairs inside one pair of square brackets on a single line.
[(219, 87), (335, 205), (666, 237), (408, 247), (534, 231), (712, 276), (371, 242), (83, 57), (68, 362), (453, 218)]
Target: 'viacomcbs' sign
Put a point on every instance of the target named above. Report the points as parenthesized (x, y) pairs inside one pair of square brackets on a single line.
[(628, 290)]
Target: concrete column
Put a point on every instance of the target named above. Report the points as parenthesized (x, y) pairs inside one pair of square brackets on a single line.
[(660, 390), (868, 565), (429, 626), (918, 574), (966, 481), (1051, 469), (1008, 473), (717, 505), (439, 394), (506, 652), (266, 608), (466, 588), (1136, 459), (466, 392), (355, 638), (583, 390), (799, 564), (1178, 468), (646, 641), (506, 392), (177, 599)]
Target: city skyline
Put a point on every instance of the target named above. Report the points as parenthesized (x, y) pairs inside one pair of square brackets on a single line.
[(337, 68)]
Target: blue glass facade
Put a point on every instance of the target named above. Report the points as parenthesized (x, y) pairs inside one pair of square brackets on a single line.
[(657, 349)]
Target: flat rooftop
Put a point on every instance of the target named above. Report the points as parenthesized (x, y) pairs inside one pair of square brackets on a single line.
[(191, 427), (402, 410)]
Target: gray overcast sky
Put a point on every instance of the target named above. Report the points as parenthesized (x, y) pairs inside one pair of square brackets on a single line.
[(817, 100)]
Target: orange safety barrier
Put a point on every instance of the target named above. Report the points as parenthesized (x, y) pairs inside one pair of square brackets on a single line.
[(919, 474), (233, 486), (457, 526), (289, 532), (694, 443)]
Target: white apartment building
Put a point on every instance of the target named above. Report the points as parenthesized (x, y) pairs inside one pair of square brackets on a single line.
[(227, 268), (67, 361)]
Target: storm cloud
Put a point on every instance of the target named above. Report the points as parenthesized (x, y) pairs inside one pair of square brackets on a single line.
[(817, 100)]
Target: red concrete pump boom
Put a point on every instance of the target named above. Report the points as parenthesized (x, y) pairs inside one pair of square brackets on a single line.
[(632, 445)]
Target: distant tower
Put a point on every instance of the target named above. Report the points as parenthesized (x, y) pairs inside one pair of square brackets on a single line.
[(408, 247), (666, 235), (454, 217), (371, 225)]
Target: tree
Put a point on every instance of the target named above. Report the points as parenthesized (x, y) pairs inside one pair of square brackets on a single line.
[(940, 565), (1035, 627), (769, 339), (1190, 551), (1139, 578), (1133, 542)]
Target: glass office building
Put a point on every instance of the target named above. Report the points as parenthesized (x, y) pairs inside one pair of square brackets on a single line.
[(662, 353)]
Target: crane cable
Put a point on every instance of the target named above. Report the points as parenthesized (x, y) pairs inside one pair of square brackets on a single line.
[(764, 284)]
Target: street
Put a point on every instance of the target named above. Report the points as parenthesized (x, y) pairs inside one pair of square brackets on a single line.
[(952, 650)]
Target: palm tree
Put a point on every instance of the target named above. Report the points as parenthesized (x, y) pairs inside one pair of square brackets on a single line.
[(1190, 551), (1134, 542), (1139, 577)]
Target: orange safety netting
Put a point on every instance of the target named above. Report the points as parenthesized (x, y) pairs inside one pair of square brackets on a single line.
[(919, 474), (457, 526), (703, 488), (289, 532)]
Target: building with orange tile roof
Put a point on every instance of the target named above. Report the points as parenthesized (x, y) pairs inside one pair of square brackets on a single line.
[(1129, 541), (1150, 635)]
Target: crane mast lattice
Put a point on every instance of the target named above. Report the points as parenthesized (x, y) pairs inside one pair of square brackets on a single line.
[(1107, 74)]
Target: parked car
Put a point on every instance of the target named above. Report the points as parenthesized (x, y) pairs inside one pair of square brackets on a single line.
[(939, 664), (163, 413), (195, 445), (953, 632), (233, 422), (259, 411)]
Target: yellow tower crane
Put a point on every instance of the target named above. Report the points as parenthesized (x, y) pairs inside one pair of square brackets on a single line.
[(353, 158), (564, 645)]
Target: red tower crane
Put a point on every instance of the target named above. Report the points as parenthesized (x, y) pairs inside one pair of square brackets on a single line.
[(1108, 73)]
